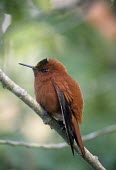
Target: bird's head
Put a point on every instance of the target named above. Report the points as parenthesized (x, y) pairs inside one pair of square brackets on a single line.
[(46, 66)]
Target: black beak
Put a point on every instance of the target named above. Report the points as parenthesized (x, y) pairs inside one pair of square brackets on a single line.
[(27, 65)]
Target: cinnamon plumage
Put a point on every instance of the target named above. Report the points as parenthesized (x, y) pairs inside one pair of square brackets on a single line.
[(60, 95)]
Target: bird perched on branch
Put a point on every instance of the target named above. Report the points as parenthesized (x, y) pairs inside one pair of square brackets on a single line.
[(60, 95)]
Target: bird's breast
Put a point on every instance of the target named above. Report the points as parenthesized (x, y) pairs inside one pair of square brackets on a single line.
[(47, 97)]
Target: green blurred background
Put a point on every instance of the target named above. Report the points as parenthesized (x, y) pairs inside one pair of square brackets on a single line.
[(32, 30)]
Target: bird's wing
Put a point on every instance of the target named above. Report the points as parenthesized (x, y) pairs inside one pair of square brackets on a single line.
[(66, 113), (72, 128)]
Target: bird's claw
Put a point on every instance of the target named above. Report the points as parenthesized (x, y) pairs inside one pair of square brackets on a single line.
[(61, 125)]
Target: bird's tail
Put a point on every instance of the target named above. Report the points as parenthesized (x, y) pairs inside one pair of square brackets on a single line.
[(77, 135)]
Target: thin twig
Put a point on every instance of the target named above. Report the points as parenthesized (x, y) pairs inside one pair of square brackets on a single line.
[(105, 131), (34, 145), (26, 98)]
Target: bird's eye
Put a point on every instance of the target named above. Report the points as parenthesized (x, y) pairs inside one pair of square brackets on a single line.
[(44, 70)]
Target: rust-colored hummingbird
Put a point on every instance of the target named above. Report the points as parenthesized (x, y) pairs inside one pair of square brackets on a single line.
[(61, 96)]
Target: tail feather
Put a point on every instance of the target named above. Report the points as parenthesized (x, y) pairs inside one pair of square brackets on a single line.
[(77, 135)]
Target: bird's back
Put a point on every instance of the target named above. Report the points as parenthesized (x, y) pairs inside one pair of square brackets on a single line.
[(47, 97)]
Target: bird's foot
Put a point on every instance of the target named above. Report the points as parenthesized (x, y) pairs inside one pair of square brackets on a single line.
[(45, 113), (61, 124), (45, 121)]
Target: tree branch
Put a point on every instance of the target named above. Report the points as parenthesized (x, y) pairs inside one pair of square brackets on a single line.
[(34, 145), (47, 119), (105, 131)]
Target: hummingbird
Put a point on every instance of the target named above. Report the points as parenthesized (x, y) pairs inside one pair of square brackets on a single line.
[(60, 95)]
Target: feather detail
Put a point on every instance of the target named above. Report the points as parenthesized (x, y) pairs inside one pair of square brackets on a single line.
[(70, 122), (66, 113), (77, 135)]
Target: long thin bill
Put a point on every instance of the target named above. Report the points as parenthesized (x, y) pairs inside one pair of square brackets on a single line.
[(27, 65)]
